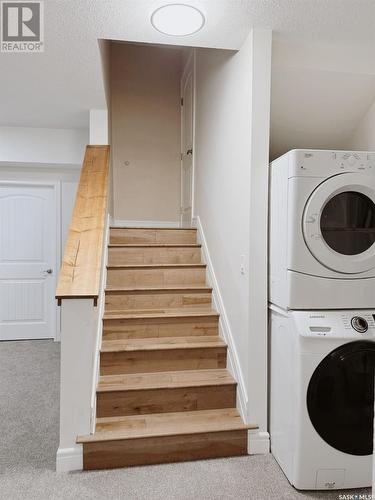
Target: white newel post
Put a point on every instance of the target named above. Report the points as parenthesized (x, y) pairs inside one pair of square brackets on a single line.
[(78, 328)]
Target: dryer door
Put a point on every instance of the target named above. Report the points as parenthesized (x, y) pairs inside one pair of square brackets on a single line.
[(339, 223), (340, 398)]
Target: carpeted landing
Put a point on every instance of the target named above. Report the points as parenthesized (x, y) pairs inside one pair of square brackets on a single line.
[(29, 414)]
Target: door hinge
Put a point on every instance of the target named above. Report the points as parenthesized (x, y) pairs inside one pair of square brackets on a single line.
[(182, 101), (182, 156)]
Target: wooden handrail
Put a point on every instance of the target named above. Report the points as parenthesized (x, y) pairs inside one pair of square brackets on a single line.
[(81, 267)]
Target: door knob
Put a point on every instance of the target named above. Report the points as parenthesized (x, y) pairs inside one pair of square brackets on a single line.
[(189, 152), (48, 271)]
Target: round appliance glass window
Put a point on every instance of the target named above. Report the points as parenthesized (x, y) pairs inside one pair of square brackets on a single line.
[(340, 398), (347, 223)]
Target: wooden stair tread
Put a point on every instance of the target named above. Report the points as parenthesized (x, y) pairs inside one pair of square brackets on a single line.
[(169, 288), (165, 380), (156, 266), (163, 313), (144, 228), (154, 245), (166, 424), (164, 343), (164, 394)]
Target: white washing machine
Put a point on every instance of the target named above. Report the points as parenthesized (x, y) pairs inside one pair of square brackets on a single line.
[(322, 230), (322, 396)]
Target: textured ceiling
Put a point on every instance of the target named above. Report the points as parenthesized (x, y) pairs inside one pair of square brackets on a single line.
[(58, 87)]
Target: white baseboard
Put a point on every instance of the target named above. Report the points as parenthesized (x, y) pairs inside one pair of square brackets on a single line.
[(225, 330), (145, 223), (69, 459), (258, 443)]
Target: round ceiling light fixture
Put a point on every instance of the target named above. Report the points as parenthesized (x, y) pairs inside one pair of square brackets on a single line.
[(177, 19)]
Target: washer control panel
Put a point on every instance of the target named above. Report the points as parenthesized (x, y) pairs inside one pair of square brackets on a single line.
[(335, 324), (359, 324)]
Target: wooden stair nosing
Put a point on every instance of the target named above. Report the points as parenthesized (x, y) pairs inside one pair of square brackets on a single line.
[(165, 380), (153, 289), (156, 266), (162, 314), (143, 228), (162, 344), (166, 424), (154, 245)]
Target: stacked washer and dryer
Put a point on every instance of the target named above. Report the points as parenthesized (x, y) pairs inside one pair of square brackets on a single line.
[(322, 317)]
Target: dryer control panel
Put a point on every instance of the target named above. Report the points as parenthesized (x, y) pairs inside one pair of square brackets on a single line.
[(310, 163), (336, 324)]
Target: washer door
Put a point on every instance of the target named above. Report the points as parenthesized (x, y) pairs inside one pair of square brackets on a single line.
[(339, 223), (340, 398)]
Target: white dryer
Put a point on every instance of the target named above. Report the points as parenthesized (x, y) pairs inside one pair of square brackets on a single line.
[(322, 230), (322, 397)]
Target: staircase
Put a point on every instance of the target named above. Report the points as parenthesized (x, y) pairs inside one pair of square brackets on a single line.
[(164, 394)]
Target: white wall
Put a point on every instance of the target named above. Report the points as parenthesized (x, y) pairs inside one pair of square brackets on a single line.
[(363, 137), (320, 92), (42, 145), (222, 158), (36, 154), (99, 127), (231, 151)]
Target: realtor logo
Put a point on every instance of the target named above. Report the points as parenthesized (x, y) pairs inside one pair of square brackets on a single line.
[(22, 27)]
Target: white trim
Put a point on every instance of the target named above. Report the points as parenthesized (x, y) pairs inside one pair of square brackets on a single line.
[(194, 132), (99, 329), (68, 459), (56, 186), (145, 223), (59, 251), (224, 326), (190, 68), (258, 443)]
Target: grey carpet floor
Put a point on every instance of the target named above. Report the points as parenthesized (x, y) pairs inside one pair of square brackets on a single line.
[(29, 378)]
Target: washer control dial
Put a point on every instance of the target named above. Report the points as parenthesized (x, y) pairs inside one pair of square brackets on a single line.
[(359, 324)]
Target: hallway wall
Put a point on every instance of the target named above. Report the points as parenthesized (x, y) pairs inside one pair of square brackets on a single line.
[(231, 177), (145, 125)]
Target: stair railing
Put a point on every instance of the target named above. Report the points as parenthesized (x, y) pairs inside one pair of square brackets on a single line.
[(80, 293)]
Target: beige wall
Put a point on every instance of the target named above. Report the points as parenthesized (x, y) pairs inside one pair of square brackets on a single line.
[(363, 138), (145, 116)]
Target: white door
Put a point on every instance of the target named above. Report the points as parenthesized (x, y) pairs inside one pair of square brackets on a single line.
[(27, 262), (187, 94)]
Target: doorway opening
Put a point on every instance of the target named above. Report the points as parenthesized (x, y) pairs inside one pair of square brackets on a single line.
[(151, 127)]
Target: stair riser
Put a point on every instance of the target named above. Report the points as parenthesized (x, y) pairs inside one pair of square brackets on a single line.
[(153, 236), (116, 329), (156, 277), (128, 302), (116, 363), (141, 402), (156, 450), (126, 256)]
